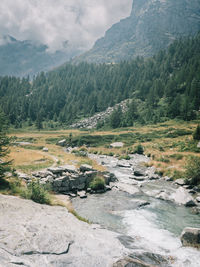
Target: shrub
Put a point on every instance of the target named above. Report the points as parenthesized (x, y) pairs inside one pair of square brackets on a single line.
[(139, 149), (98, 183), (196, 134), (38, 193), (192, 173)]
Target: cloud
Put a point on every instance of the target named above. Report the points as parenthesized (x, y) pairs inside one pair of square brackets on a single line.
[(53, 22)]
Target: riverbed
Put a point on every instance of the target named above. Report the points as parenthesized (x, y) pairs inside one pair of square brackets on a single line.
[(150, 228)]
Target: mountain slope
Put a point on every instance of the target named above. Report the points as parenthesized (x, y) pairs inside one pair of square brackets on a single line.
[(152, 26), (22, 58), (162, 87)]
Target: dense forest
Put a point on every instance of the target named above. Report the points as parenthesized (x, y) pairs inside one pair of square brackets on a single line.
[(163, 87)]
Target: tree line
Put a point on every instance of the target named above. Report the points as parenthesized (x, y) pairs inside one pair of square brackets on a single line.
[(163, 87)]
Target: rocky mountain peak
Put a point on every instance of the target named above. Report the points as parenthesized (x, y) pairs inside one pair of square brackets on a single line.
[(153, 25)]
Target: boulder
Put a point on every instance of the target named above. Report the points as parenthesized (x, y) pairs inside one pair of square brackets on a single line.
[(198, 145), (191, 237), (82, 194), (130, 189), (45, 149), (62, 142), (69, 168), (86, 167), (198, 199), (117, 145), (123, 164), (182, 197), (180, 182), (56, 170), (154, 177), (139, 171)]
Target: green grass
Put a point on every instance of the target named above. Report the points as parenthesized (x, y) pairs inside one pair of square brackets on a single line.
[(34, 167)]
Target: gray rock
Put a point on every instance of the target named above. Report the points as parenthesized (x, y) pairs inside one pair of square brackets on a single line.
[(86, 167), (56, 170), (180, 182), (182, 197), (154, 177), (140, 171), (69, 168), (198, 199), (123, 164), (82, 194), (140, 178), (198, 145), (62, 142), (191, 237), (57, 182), (168, 179), (40, 235), (117, 145), (45, 149), (130, 189)]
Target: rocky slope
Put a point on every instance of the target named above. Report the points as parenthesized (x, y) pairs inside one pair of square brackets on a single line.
[(39, 235), (152, 26)]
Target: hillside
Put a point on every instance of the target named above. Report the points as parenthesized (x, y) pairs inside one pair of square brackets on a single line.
[(23, 58), (163, 87), (151, 26)]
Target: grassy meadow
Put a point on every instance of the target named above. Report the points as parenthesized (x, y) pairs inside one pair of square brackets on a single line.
[(167, 144)]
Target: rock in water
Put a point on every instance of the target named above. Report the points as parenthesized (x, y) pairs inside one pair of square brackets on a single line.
[(40, 235), (182, 197), (191, 237)]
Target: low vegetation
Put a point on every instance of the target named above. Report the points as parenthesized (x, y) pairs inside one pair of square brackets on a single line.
[(98, 183)]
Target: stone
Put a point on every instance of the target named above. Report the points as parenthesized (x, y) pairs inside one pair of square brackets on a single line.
[(86, 167), (198, 145), (139, 179), (56, 170), (117, 145), (191, 237), (154, 177), (198, 199), (195, 210), (139, 171), (69, 168), (123, 164), (182, 197), (45, 149), (130, 189), (180, 182), (168, 179), (42, 235), (62, 142), (57, 182), (82, 194), (108, 188), (163, 196)]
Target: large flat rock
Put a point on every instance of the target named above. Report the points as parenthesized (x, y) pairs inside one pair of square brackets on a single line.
[(40, 235)]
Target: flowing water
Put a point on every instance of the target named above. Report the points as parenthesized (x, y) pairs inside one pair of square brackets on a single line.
[(154, 228)]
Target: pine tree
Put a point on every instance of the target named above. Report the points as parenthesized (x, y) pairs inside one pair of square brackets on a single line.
[(4, 147)]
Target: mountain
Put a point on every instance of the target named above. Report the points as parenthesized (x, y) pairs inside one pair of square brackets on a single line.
[(151, 26), (165, 86), (22, 58)]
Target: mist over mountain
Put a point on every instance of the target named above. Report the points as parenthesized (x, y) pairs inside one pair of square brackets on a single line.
[(23, 58), (153, 25)]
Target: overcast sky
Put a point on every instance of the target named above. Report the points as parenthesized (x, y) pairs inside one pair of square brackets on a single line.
[(53, 22)]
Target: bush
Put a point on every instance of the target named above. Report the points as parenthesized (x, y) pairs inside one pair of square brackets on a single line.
[(97, 184), (38, 193), (192, 173), (196, 134), (139, 149)]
